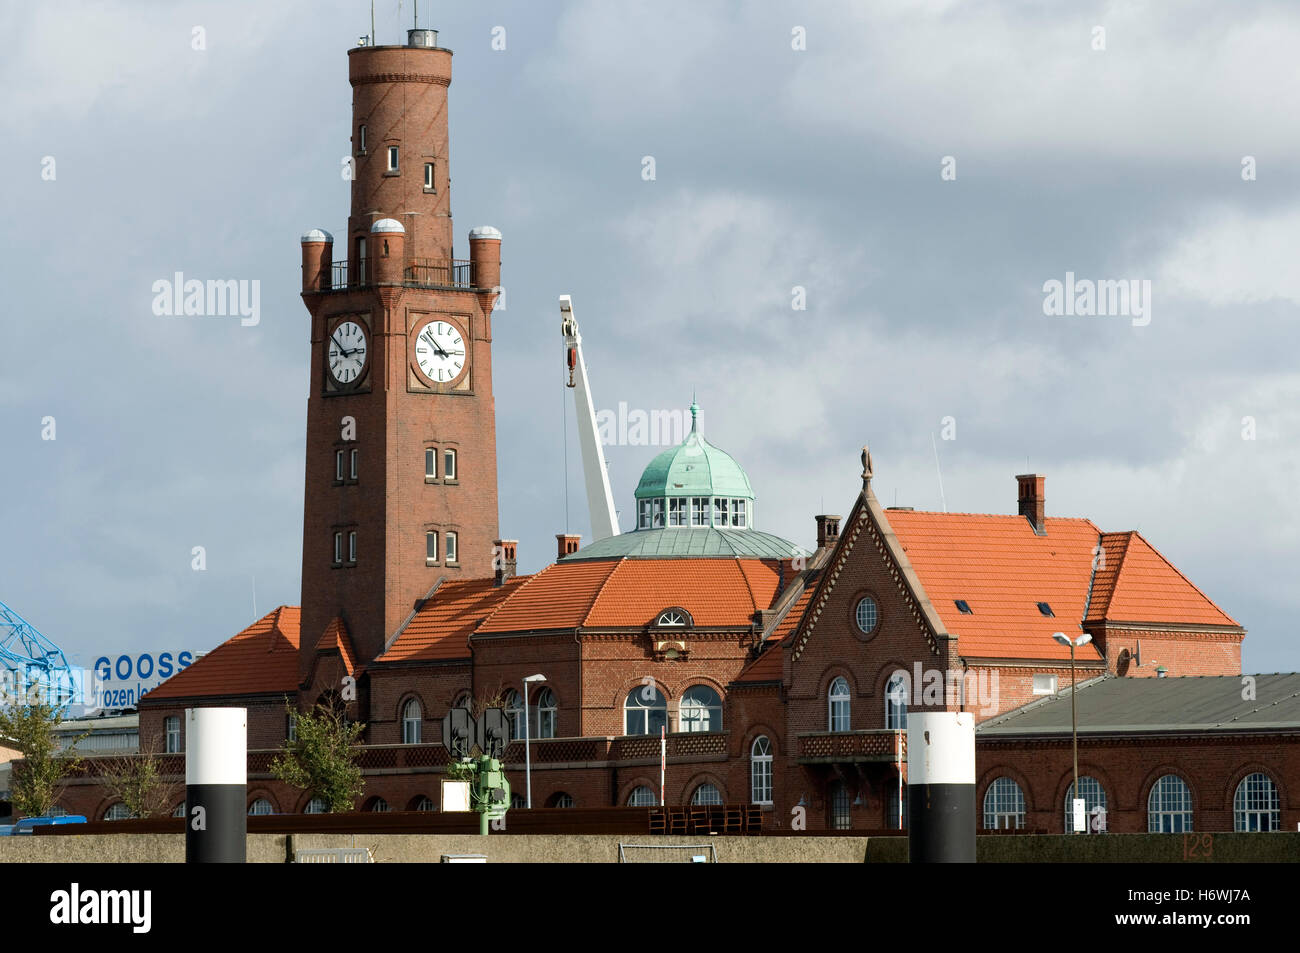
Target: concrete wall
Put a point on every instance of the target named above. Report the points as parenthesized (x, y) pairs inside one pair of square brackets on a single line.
[(124, 849)]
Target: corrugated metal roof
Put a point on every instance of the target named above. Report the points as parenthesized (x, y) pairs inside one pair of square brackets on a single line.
[(685, 541), (1189, 703)]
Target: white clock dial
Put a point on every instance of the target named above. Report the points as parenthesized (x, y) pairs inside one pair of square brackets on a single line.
[(347, 352), (440, 351)]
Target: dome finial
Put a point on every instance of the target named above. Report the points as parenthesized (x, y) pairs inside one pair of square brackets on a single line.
[(695, 414)]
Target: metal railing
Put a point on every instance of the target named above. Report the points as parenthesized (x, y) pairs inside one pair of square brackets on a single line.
[(418, 273)]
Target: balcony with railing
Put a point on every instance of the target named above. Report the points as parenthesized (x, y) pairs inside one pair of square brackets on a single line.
[(831, 747), (437, 273)]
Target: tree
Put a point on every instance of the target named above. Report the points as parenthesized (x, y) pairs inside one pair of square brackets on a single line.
[(138, 782), (322, 757), (28, 724)]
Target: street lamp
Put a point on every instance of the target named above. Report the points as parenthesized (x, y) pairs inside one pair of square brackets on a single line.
[(1074, 716), (528, 762)]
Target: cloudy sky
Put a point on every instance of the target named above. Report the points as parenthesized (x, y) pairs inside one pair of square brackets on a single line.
[(775, 168)]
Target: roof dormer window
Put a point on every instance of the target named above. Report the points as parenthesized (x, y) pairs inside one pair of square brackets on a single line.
[(673, 618)]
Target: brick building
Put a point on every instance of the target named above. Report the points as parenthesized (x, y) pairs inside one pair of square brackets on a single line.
[(781, 676)]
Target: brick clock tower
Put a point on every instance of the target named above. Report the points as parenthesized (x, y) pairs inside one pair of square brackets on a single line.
[(401, 476)]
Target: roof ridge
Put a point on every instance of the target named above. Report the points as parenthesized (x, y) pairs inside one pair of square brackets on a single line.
[(595, 596), (1006, 516), (1197, 589), (527, 581), (753, 600), (1119, 565)]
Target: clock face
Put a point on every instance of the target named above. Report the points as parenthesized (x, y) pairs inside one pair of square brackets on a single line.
[(440, 351), (347, 352)]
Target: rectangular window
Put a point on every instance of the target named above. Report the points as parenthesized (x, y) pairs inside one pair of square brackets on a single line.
[(1044, 684), (449, 464), (392, 158), (172, 728), (431, 464), (643, 514), (719, 511), (451, 547), (338, 547), (428, 176), (352, 547), (338, 465), (361, 261), (656, 514), (353, 464), (293, 727), (361, 139), (677, 511), (738, 513), (699, 511), (430, 547)]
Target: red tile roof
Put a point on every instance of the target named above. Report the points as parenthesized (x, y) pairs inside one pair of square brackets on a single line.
[(442, 627), (1148, 588), (261, 659), (335, 638), (769, 666)]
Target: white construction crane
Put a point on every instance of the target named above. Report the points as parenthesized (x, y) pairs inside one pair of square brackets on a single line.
[(600, 501)]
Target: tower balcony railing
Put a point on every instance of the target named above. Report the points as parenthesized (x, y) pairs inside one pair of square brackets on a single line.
[(348, 274), (878, 744)]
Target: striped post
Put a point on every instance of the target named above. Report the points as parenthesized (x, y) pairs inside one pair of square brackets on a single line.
[(216, 785), (941, 787)]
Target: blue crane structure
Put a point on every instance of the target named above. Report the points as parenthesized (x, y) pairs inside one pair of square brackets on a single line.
[(29, 662)]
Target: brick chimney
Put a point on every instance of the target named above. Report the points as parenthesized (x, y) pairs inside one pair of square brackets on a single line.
[(1032, 500), (567, 544), (828, 530), (503, 560)]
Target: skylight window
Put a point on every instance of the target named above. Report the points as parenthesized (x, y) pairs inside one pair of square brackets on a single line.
[(964, 607), (1045, 609)]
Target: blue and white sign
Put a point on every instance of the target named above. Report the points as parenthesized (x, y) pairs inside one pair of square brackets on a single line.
[(119, 681)]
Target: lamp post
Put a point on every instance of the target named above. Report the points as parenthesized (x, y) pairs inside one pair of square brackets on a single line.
[(1074, 710), (528, 761)]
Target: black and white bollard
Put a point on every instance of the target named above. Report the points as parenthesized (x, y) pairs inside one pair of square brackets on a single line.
[(941, 787), (216, 785)]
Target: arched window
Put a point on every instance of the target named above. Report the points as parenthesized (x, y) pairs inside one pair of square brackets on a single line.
[(760, 770), (700, 710), (423, 803), (562, 800), (412, 722), (60, 811), (645, 711), (838, 698), (315, 806), (672, 618), (706, 794), (518, 802), (1169, 806), (1004, 805), (179, 810), (379, 806), (642, 796), (1094, 798), (1256, 806), (546, 712), (118, 812), (260, 808), (514, 707), (896, 701), (841, 818), (462, 700)]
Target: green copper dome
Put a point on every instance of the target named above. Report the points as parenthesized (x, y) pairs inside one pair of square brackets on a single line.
[(694, 468)]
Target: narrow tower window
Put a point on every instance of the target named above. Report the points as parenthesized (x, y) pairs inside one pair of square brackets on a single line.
[(431, 463), (430, 548), (428, 177), (449, 464), (338, 547), (338, 466), (352, 547), (353, 464), (451, 547), (392, 158), (361, 139)]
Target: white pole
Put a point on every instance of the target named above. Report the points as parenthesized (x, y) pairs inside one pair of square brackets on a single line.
[(600, 499), (663, 763), (528, 761), (898, 750)]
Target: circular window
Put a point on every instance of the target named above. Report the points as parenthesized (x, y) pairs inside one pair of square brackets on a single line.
[(866, 615)]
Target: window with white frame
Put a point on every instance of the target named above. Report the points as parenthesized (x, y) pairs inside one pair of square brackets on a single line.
[(431, 547), (700, 710), (645, 711), (172, 734), (338, 466), (699, 511), (315, 806), (760, 770), (428, 176), (896, 701), (720, 510), (1256, 806), (430, 463), (841, 808), (361, 139), (866, 614), (739, 513), (563, 799), (291, 726), (449, 464), (642, 796), (352, 465), (514, 707), (352, 546), (1044, 684), (1004, 805), (1094, 798), (452, 552), (656, 514), (546, 713), (412, 722), (424, 803), (118, 812), (677, 511), (1169, 806), (338, 547), (672, 618), (260, 808), (392, 159), (642, 514), (706, 794), (179, 810), (839, 702), (379, 806)]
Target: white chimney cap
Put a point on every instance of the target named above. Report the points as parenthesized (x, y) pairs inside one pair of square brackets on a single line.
[(484, 231), (317, 235), (387, 225)]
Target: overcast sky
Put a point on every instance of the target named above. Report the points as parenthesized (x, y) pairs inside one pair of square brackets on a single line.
[(775, 167)]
